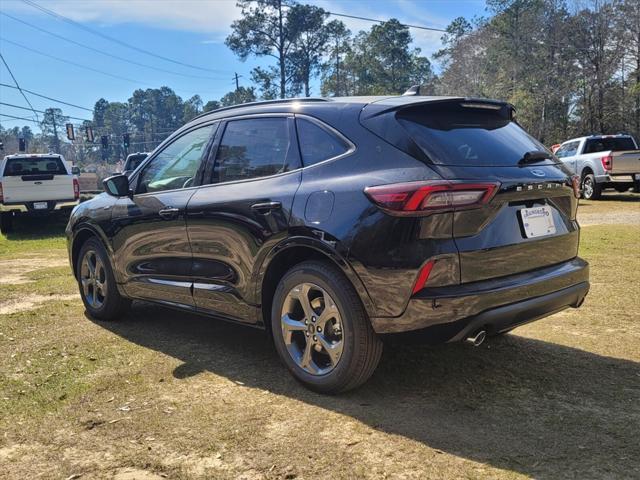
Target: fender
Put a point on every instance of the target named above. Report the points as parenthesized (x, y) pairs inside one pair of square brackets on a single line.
[(323, 248), (95, 231)]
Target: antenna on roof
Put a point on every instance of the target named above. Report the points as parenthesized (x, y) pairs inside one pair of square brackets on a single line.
[(412, 91)]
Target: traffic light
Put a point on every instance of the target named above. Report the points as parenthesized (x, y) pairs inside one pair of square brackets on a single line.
[(104, 140), (125, 140), (89, 134), (71, 135), (22, 145)]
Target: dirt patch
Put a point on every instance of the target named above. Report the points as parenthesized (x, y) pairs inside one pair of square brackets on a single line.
[(136, 474), (29, 302), (629, 217), (15, 271)]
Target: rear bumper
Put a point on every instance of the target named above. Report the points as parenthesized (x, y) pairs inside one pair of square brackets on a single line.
[(53, 205), (628, 178), (444, 314)]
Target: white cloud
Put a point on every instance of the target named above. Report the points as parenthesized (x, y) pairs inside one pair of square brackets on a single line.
[(205, 16)]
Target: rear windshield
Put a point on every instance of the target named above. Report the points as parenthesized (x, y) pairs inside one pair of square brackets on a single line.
[(16, 167), (453, 134), (616, 144)]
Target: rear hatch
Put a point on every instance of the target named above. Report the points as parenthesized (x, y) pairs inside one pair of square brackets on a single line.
[(530, 221), (36, 179)]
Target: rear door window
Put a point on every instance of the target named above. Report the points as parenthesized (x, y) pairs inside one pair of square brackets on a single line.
[(17, 167), (568, 150), (452, 134), (317, 143), (256, 147)]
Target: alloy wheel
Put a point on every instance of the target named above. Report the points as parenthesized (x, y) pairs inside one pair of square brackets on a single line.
[(587, 188), (93, 278), (312, 329)]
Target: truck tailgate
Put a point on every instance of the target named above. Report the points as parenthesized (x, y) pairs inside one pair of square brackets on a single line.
[(625, 162), (34, 188)]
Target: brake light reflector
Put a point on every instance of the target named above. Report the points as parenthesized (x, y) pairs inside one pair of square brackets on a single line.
[(76, 189), (607, 162), (413, 198), (423, 276)]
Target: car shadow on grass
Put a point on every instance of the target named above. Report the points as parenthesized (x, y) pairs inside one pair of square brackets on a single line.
[(538, 408), (38, 228)]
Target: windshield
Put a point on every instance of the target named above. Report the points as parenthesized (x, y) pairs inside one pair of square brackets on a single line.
[(615, 144), (17, 167), (458, 135)]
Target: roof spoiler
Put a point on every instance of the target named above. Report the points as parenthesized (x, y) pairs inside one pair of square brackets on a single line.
[(412, 91)]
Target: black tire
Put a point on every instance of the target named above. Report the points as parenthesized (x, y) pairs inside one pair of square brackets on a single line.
[(6, 222), (636, 186), (361, 347), (113, 305), (590, 189)]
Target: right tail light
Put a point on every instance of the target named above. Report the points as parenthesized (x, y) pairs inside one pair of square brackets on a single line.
[(607, 162)]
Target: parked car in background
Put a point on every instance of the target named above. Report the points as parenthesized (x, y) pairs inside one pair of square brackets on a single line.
[(332, 223), (132, 162), (602, 161), (36, 184)]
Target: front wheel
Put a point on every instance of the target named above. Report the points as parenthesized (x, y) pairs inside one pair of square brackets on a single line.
[(97, 284), (590, 189), (321, 331)]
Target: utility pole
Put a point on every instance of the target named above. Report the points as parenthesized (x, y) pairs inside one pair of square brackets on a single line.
[(237, 82), (56, 142)]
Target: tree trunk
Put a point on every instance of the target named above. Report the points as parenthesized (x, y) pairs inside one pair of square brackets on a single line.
[(282, 58)]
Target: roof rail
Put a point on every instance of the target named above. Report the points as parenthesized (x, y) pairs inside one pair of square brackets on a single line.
[(263, 102)]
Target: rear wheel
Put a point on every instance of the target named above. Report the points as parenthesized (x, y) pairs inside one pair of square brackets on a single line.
[(636, 186), (321, 330), (97, 284), (6, 222), (590, 189)]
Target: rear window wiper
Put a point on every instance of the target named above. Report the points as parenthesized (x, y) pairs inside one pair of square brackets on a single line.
[(534, 156)]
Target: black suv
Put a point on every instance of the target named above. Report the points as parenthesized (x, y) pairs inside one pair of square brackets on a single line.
[(332, 223)]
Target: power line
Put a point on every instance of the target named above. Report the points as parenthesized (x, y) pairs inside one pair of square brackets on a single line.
[(18, 86), (48, 98), (19, 118), (40, 111), (115, 40), (419, 27), (106, 53)]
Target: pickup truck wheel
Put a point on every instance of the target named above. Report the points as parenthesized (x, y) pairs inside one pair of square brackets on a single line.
[(6, 222), (590, 189), (97, 284), (321, 330)]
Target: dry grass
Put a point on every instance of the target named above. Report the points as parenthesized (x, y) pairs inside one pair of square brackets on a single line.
[(164, 393)]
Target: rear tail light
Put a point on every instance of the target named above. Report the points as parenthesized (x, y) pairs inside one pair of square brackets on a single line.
[(607, 162), (418, 198), (76, 189), (1, 193), (575, 183), (423, 276)]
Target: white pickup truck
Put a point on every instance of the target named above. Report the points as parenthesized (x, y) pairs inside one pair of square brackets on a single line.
[(36, 184), (603, 161)]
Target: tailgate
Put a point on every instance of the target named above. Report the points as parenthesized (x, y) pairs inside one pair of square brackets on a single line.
[(625, 163), (34, 188)]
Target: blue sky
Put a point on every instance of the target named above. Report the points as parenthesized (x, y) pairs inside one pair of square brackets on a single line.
[(189, 31)]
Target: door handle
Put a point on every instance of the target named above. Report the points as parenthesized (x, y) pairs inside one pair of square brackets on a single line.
[(266, 207), (169, 212)]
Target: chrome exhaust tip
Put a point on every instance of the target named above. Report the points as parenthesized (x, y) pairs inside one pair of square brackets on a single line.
[(477, 339)]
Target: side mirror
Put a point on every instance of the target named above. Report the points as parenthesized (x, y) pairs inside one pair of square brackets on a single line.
[(75, 170), (117, 186)]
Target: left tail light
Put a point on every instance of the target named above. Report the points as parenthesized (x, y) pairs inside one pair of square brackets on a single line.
[(607, 162), (419, 198), (76, 189)]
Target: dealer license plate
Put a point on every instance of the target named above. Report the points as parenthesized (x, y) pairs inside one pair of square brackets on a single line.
[(538, 221), (40, 205)]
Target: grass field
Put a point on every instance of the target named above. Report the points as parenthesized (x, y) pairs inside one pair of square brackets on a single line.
[(168, 395)]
